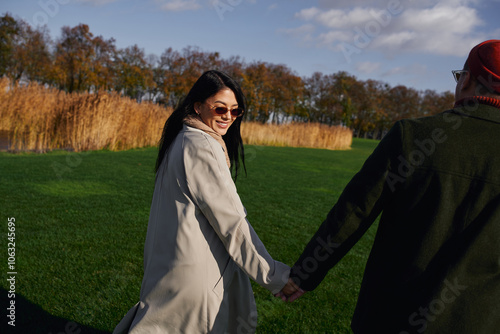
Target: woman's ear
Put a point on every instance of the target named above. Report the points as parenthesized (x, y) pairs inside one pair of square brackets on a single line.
[(197, 106)]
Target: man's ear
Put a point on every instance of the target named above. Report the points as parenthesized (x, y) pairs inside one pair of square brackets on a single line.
[(468, 81)]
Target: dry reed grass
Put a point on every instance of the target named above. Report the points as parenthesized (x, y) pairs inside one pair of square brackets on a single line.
[(312, 135), (40, 119)]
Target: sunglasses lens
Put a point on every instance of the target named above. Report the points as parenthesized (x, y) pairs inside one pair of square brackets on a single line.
[(221, 110), (457, 74), (237, 112)]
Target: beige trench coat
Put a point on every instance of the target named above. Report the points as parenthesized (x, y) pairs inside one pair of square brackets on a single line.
[(200, 249)]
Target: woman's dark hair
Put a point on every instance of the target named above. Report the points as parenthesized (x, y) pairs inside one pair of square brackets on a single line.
[(209, 84)]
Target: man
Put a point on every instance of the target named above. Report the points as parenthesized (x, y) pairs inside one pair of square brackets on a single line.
[(435, 262)]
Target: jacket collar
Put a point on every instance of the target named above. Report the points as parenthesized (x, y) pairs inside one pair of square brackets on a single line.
[(481, 107)]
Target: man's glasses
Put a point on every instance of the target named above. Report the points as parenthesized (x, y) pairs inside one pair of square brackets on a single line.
[(458, 73), (236, 112)]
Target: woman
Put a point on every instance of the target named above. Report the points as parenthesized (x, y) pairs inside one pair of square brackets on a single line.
[(200, 249)]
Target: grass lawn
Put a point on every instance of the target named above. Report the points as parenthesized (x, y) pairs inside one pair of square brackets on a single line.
[(81, 219)]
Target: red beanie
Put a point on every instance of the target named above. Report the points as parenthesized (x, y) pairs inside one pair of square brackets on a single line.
[(484, 64)]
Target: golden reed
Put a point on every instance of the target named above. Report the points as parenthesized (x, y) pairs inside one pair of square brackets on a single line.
[(312, 135), (40, 119)]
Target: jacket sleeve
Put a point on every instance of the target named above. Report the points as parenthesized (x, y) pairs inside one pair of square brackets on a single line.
[(356, 209), (213, 191)]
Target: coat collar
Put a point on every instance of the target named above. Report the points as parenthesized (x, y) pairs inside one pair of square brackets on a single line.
[(480, 107)]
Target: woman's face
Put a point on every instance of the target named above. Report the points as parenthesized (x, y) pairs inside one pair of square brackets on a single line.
[(219, 123)]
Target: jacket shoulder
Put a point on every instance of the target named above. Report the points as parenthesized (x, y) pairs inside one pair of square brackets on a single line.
[(197, 144), (195, 137)]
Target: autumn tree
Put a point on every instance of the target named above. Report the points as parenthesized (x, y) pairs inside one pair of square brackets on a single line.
[(178, 71), (134, 76), (404, 102), (73, 55), (9, 29), (165, 75), (102, 70), (25, 52), (234, 66), (195, 62), (287, 92), (154, 91), (351, 97), (33, 54), (432, 103), (84, 62), (371, 117), (446, 100), (257, 86), (322, 98)]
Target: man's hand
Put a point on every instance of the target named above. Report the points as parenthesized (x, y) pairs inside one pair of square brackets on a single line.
[(290, 291)]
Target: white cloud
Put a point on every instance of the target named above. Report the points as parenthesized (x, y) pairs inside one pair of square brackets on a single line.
[(448, 27), (439, 30), (395, 40), (97, 2), (330, 37), (341, 19), (413, 69), (368, 67), (349, 3), (185, 5), (303, 32), (460, 20), (179, 5), (308, 14), (383, 4), (272, 7)]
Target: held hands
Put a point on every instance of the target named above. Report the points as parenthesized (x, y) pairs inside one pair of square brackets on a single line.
[(290, 291)]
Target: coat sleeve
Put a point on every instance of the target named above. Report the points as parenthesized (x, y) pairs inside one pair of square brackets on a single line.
[(213, 191), (356, 209)]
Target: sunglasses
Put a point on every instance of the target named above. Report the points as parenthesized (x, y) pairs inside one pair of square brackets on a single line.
[(458, 73), (236, 112)]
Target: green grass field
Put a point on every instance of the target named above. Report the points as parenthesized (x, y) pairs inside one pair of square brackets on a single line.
[(81, 219)]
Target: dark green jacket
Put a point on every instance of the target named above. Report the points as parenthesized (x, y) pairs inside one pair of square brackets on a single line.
[(435, 263)]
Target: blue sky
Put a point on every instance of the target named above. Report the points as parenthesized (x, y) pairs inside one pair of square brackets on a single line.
[(409, 42)]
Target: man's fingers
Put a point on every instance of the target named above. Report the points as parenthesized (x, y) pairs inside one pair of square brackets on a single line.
[(296, 295)]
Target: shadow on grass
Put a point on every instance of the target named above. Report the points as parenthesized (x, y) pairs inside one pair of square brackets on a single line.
[(31, 318)]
